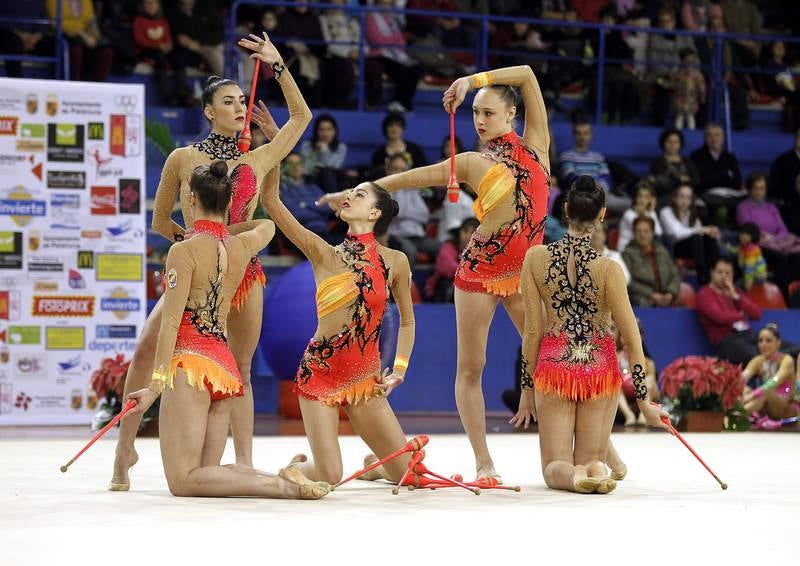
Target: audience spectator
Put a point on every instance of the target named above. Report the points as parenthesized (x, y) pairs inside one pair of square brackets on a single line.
[(387, 54), (115, 20), (589, 10), (439, 286), (153, 40), (720, 179), (688, 89), (90, 58), (771, 382), (582, 161), (324, 155), (784, 184), (300, 197), (621, 88), (780, 83), (751, 260), (599, 245), (725, 313), (407, 232), (304, 49), (743, 17), (696, 13), (687, 235), (644, 204), (662, 59), (199, 33), (555, 225), (339, 74), (654, 277), (781, 247), (22, 39), (671, 169), (394, 127)]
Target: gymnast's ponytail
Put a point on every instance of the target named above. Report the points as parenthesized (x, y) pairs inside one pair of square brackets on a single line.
[(388, 207)]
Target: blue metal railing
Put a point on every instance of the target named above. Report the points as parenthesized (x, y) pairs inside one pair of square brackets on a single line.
[(60, 42)]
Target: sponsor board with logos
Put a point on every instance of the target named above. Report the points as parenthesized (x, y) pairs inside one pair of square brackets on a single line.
[(72, 242)]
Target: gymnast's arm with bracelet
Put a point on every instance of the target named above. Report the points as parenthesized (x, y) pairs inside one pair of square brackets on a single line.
[(536, 134)]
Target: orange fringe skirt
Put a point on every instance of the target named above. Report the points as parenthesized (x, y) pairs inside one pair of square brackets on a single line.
[(337, 377), (578, 373), (207, 362), (253, 274)]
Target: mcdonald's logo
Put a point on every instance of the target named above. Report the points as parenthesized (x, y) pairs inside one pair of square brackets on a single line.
[(85, 259), (97, 130)]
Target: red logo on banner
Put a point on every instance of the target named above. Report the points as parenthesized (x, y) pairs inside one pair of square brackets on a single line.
[(4, 307), (8, 125), (116, 140), (104, 200), (63, 306)]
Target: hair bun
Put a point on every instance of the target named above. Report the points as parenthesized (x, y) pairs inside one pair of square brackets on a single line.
[(771, 325), (219, 169), (585, 184), (213, 79), (395, 208)]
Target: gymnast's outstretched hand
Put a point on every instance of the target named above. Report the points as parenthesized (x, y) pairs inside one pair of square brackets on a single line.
[(335, 200), (387, 382), (144, 398), (527, 410), (264, 120)]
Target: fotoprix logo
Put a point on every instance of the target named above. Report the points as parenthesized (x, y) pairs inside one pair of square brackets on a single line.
[(9, 125), (65, 143), (120, 303), (20, 205), (66, 180), (104, 200), (63, 306), (126, 135), (130, 196), (10, 250), (115, 331)]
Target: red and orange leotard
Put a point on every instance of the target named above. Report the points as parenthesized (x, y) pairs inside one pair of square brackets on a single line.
[(512, 196), (341, 363), (199, 284), (573, 349)]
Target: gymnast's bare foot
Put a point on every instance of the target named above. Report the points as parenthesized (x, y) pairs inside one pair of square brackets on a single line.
[(304, 487), (124, 460), (372, 475), (488, 475)]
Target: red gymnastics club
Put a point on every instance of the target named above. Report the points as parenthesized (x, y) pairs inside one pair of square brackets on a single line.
[(245, 137), (677, 435), (452, 185), (413, 445), (128, 406)]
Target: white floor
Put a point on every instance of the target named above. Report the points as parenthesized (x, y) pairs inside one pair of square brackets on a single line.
[(668, 510)]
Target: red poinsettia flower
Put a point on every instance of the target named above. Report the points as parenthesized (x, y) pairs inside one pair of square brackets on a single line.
[(110, 376)]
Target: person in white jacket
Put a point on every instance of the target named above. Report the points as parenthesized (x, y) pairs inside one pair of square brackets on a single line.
[(689, 238), (644, 204)]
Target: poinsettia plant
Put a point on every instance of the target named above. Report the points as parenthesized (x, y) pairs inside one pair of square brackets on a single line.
[(702, 383), (108, 382)]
